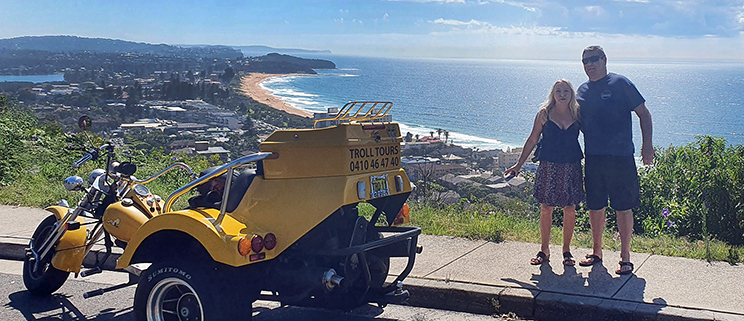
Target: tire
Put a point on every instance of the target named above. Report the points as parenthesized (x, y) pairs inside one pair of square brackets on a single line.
[(357, 294), (180, 290), (41, 278), (379, 263)]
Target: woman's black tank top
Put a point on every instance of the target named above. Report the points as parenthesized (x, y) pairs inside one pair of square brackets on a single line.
[(560, 145)]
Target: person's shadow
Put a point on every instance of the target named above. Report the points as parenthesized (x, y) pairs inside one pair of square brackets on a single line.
[(549, 280), (626, 291), (58, 307)]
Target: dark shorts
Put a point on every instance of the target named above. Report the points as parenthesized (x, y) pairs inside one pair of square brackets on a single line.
[(559, 184), (613, 177)]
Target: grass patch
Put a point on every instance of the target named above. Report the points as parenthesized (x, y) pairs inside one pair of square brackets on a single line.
[(488, 222)]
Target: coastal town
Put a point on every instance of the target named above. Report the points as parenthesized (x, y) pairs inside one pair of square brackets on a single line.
[(208, 101), (196, 127)]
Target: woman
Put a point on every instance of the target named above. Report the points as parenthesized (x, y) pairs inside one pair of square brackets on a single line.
[(559, 178)]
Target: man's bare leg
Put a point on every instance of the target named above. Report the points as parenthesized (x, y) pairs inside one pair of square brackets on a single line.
[(597, 220), (625, 228)]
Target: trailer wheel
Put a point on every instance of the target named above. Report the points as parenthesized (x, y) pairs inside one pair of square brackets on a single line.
[(180, 290), (379, 263), (41, 278)]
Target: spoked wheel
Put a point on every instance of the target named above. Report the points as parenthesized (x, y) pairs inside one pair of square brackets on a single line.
[(378, 271), (359, 292), (39, 276)]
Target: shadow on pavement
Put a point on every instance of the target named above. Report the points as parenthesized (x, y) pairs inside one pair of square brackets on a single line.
[(58, 307), (598, 283), (287, 313)]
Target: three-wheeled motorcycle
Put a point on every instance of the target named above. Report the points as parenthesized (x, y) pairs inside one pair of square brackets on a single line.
[(281, 224)]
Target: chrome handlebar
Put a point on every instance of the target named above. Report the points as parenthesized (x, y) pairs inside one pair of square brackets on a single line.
[(93, 154)]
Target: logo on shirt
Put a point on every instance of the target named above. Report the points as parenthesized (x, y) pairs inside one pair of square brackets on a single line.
[(607, 94)]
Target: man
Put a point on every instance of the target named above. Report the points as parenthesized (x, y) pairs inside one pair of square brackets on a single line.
[(606, 101)]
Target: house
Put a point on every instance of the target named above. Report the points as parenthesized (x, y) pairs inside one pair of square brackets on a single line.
[(203, 148), (418, 167)]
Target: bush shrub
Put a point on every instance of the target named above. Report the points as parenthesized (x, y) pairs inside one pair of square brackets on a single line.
[(695, 190)]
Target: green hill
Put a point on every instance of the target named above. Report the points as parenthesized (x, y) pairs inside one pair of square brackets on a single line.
[(103, 45)]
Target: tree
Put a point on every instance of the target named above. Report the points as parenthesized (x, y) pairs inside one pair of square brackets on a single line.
[(446, 136), (228, 75)]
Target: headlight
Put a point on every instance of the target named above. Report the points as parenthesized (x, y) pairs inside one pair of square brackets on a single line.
[(96, 172), (73, 183)]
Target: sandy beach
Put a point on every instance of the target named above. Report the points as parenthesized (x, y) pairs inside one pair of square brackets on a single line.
[(250, 86)]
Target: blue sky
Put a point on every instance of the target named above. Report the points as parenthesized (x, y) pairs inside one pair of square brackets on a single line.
[(632, 29)]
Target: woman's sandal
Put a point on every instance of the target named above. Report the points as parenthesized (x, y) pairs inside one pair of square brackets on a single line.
[(590, 260), (568, 259), (540, 258), (622, 271)]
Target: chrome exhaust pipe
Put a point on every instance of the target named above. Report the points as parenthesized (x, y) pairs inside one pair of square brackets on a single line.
[(331, 279)]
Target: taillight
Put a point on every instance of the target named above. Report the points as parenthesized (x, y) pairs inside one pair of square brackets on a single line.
[(269, 241), (244, 246), (257, 243)]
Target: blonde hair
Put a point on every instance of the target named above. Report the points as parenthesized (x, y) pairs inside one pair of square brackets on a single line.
[(549, 104)]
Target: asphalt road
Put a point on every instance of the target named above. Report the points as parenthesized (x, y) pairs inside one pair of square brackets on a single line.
[(68, 304)]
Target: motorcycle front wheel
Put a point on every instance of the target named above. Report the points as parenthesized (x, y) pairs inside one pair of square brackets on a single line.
[(41, 278)]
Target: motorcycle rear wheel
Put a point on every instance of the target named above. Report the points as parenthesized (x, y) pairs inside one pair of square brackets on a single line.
[(41, 278)]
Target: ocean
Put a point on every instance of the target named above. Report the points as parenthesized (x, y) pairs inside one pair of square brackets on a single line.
[(492, 103), (34, 78)]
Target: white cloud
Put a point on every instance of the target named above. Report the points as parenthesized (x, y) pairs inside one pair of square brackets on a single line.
[(450, 22), (480, 27), (637, 1), (386, 17), (594, 11), (524, 5)]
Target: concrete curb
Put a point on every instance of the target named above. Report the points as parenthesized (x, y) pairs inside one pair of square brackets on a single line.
[(486, 299), (543, 305)]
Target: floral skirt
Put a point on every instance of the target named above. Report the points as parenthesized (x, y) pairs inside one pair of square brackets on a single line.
[(559, 184)]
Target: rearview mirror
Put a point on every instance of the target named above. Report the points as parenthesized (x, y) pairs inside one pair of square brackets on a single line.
[(127, 168), (84, 122)]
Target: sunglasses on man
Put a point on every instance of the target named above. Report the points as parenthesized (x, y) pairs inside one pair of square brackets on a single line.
[(591, 59)]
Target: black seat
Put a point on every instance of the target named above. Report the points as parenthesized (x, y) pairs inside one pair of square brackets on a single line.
[(239, 186), (208, 195)]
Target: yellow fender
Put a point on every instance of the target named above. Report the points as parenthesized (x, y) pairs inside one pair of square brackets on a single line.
[(70, 250), (222, 246)]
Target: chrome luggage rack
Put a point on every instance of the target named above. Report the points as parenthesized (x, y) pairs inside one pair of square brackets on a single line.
[(375, 110)]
